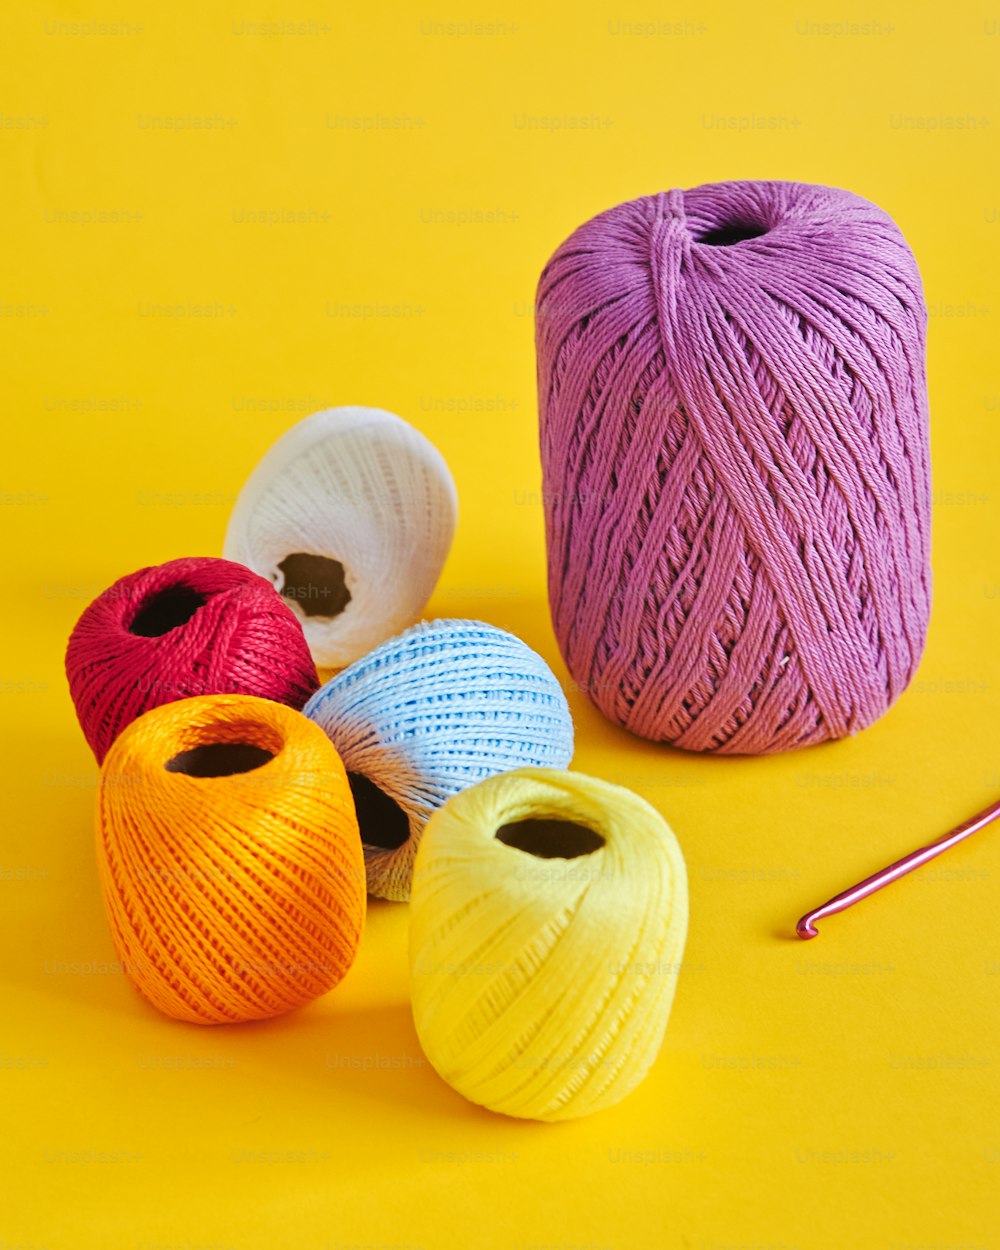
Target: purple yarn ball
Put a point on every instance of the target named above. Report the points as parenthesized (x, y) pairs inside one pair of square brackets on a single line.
[(734, 437)]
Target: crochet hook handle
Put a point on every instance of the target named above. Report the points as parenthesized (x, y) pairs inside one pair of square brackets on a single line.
[(806, 928)]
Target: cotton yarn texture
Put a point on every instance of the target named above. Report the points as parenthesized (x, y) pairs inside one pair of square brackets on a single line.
[(351, 515), (188, 627), (441, 706), (734, 438), (542, 979), (229, 859)]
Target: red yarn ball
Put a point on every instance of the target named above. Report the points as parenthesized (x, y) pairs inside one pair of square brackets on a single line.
[(188, 627)]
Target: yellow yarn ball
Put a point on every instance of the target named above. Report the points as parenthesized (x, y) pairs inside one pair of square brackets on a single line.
[(548, 919)]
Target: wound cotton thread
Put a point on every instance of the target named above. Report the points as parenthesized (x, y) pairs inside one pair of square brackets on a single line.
[(547, 927), (734, 438), (441, 706), (229, 859), (188, 627), (351, 515)]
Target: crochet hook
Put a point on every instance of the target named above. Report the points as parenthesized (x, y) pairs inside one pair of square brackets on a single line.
[(806, 928)]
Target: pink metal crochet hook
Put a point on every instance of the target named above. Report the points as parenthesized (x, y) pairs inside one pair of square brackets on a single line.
[(806, 928)]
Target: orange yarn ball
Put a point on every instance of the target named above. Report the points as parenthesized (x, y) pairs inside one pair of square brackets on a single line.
[(230, 858)]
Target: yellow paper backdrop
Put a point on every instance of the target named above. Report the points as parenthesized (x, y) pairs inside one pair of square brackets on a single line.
[(218, 219)]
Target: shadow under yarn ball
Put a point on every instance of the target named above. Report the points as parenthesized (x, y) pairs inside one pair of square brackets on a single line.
[(428, 713), (734, 440), (189, 627)]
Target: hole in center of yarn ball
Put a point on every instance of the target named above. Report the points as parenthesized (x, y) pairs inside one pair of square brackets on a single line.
[(731, 232), (549, 838), (315, 583), (165, 610), (382, 822), (219, 759)]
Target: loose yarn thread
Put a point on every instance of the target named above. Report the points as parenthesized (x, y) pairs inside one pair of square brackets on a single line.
[(350, 514), (734, 438), (189, 627), (441, 706), (547, 927), (229, 859)]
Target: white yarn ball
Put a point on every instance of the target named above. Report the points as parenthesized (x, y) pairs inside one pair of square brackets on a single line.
[(361, 489)]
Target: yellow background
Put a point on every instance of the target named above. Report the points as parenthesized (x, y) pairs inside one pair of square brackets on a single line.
[(213, 225)]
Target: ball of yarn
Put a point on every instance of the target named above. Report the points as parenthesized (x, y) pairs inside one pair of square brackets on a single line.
[(443, 705), (351, 514), (547, 926), (229, 859), (188, 627), (734, 438)]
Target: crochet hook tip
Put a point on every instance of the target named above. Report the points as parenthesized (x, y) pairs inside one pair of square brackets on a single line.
[(806, 927)]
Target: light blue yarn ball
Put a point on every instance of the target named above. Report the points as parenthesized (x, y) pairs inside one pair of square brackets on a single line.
[(433, 710)]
